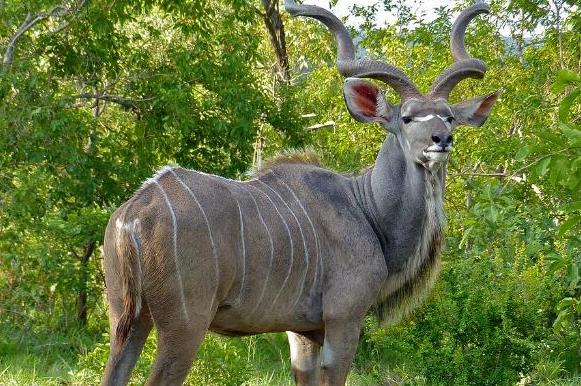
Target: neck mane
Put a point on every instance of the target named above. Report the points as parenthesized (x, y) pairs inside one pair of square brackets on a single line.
[(403, 201)]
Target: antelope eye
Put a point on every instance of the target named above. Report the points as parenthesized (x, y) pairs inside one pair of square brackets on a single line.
[(450, 119), (406, 119)]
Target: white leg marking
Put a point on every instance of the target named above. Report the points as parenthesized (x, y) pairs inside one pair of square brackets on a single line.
[(186, 187), (289, 237), (175, 247), (302, 237), (313, 229), (271, 251), (299, 362), (328, 354), (243, 251)]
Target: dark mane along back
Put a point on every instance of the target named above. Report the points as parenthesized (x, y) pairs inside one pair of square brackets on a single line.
[(292, 156)]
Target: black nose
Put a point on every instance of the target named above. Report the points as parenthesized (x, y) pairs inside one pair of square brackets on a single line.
[(442, 139)]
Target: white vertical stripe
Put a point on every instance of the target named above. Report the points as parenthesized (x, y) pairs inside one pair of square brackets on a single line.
[(217, 273), (271, 251), (302, 237), (243, 252), (289, 236), (314, 233), (306, 250), (175, 247)]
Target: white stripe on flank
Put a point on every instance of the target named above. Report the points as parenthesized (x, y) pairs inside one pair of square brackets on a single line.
[(186, 187), (175, 247), (314, 234), (289, 237), (306, 251), (271, 250), (302, 237), (243, 252)]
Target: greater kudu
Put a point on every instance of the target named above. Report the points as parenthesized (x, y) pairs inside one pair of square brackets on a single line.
[(298, 248)]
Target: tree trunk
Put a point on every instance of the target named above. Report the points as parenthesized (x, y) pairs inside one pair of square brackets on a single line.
[(275, 28), (84, 276)]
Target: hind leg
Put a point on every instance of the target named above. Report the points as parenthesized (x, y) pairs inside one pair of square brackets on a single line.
[(305, 358), (122, 358), (177, 346)]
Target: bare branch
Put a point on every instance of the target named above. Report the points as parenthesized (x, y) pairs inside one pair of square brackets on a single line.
[(502, 175), (125, 102), (59, 11), (321, 126)]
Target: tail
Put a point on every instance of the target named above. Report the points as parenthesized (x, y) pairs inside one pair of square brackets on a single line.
[(128, 247)]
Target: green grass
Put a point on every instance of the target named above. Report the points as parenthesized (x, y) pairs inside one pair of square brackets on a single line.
[(33, 358), (77, 357)]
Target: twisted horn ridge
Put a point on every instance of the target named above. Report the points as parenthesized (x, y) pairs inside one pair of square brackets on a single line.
[(465, 66), (347, 65)]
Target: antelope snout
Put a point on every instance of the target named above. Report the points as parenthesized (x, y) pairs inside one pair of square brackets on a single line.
[(443, 140)]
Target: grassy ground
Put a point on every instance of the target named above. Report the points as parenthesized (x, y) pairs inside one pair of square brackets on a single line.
[(77, 358)]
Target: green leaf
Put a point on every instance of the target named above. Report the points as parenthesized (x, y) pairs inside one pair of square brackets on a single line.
[(550, 137), (543, 166), (565, 303), (572, 133), (565, 78), (523, 152), (573, 275), (566, 103), (569, 224), (571, 207)]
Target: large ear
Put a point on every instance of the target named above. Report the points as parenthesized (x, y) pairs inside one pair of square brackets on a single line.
[(366, 102), (474, 111)]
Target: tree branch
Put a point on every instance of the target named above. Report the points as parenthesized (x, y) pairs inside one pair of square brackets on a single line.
[(127, 103), (30, 21)]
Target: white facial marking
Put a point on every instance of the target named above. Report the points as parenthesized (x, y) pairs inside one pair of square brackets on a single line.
[(428, 117), (445, 120), (424, 118)]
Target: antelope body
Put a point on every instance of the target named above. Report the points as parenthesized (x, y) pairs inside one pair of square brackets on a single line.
[(298, 248)]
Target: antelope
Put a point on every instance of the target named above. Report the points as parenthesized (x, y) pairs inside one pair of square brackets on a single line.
[(298, 248)]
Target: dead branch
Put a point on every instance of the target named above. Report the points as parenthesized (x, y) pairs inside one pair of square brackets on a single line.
[(130, 104), (59, 11)]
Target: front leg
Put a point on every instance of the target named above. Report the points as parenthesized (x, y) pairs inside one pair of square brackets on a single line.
[(341, 339), (305, 360)]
